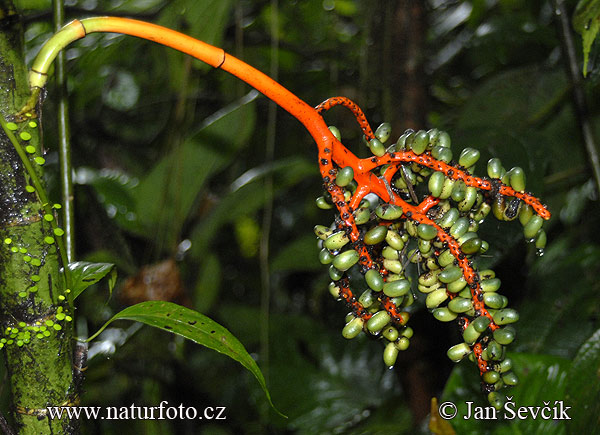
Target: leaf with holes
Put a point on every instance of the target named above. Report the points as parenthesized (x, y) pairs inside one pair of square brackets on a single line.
[(194, 326), (84, 274)]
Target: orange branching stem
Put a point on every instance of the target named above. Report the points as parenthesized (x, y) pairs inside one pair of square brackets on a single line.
[(332, 155), (358, 113)]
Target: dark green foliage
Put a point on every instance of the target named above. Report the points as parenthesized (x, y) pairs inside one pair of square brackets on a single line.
[(155, 180)]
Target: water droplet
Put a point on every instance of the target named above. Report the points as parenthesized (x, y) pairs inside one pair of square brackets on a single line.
[(539, 252)]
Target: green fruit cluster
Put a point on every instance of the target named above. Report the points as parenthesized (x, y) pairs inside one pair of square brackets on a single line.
[(368, 311), (395, 256)]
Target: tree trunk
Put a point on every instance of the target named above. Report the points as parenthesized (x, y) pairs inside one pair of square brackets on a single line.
[(407, 78), (36, 333)]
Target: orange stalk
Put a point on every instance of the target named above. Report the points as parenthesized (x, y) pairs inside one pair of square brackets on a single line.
[(213, 56), (332, 155)]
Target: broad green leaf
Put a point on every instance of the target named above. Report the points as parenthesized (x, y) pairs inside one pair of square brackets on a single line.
[(208, 284), (298, 255), (134, 6), (114, 190), (558, 314), (586, 21), (576, 201), (31, 5), (542, 378), (247, 196), (84, 274), (517, 97), (164, 198), (326, 382), (204, 20), (588, 39), (195, 327), (583, 387)]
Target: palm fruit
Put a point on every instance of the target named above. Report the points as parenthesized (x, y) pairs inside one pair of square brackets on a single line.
[(425, 215)]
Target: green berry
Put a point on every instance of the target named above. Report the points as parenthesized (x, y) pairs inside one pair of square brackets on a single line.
[(376, 235), (420, 142), (426, 232), (436, 183), (468, 157), (460, 305), (444, 314), (517, 179), (450, 274), (336, 132), (436, 297), (321, 203), (390, 354), (495, 169), (388, 212), (336, 241), (396, 288), (532, 227), (353, 328), (376, 147), (374, 280), (458, 352), (346, 260), (378, 321), (390, 333), (504, 335), (344, 176), (383, 132)]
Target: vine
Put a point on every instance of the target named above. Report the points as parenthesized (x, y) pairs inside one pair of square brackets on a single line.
[(408, 203)]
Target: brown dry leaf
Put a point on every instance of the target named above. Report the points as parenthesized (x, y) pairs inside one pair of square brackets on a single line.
[(154, 282)]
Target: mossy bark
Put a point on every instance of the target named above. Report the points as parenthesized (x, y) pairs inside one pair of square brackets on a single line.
[(38, 354)]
